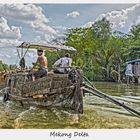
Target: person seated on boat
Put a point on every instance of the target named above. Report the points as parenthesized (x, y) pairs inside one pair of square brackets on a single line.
[(43, 65), (63, 64), (129, 73)]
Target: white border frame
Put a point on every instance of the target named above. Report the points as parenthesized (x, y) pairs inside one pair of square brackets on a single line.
[(94, 134), (72, 1)]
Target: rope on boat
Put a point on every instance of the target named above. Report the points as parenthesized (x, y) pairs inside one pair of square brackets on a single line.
[(110, 99)]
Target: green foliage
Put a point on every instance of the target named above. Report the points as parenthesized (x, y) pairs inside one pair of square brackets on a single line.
[(135, 33), (12, 67), (3, 66), (102, 31), (102, 53), (52, 57), (134, 50)]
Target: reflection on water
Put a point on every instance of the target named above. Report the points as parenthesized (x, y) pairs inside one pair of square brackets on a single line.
[(98, 113)]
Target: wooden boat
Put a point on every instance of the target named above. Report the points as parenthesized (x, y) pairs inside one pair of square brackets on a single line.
[(2, 79), (2, 85), (51, 90), (64, 90)]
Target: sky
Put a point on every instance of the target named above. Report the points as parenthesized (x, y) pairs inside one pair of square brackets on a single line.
[(45, 22)]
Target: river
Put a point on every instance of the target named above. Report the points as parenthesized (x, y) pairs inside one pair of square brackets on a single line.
[(98, 113)]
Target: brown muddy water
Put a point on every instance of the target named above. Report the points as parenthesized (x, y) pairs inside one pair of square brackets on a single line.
[(98, 113)]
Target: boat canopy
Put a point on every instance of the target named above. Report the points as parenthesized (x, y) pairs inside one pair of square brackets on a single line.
[(47, 47), (132, 61)]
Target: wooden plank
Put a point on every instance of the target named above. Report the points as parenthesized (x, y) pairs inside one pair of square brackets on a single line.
[(36, 86)]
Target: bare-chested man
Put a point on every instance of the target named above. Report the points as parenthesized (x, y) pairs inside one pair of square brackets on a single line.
[(43, 65)]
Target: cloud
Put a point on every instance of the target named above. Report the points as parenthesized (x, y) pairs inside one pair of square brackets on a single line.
[(89, 24), (138, 20), (7, 32), (9, 36), (9, 55), (9, 42), (29, 14), (121, 18), (45, 38), (73, 14)]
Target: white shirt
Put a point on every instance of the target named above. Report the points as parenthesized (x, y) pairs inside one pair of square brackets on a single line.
[(129, 70), (137, 69), (129, 67), (63, 62)]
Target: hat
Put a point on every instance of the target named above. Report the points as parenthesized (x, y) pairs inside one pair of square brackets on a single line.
[(67, 55), (40, 50)]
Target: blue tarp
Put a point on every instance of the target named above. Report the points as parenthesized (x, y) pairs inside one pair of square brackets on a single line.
[(131, 61)]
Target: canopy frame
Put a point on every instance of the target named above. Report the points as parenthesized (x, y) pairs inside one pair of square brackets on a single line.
[(46, 47)]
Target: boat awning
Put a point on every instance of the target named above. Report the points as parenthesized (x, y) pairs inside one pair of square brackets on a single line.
[(47, 47), (132, 61)]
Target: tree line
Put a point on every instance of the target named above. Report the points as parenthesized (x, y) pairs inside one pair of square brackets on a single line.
[(101, 52), (5, 67)]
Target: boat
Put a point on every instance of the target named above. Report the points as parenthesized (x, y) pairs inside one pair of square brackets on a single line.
[(2, 79), (54, 89), (133, 61)]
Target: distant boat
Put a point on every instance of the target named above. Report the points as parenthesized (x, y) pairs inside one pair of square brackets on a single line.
[(132, 61)]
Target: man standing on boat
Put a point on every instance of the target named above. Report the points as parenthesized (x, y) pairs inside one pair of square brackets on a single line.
[(63, 64), (42, 63)]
